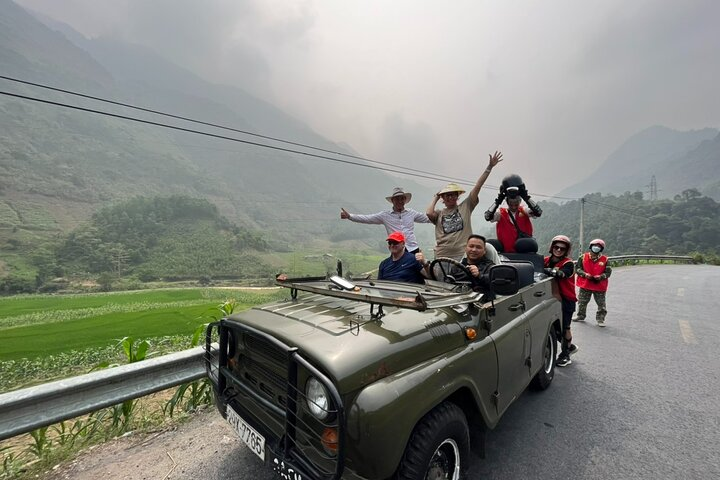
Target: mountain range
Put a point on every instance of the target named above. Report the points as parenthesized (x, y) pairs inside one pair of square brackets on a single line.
[(62, 164), (59, 165), (676, 160)]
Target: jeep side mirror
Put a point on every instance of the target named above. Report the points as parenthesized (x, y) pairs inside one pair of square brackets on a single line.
[(504, 279)]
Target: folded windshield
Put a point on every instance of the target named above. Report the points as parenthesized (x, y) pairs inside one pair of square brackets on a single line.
[(406, 295)]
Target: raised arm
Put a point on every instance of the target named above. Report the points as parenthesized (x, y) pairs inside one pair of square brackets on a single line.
[(374, 218), (494, 160), (430, 212)]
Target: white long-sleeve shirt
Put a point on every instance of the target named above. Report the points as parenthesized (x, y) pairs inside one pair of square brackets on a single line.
[(395, 222)]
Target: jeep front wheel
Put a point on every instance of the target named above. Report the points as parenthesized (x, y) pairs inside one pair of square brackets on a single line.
[(439, 446)]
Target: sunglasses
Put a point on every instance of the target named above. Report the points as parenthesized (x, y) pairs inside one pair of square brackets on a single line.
[(559, 248), (393, 242)]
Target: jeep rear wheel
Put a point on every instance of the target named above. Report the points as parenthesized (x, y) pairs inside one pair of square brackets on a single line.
[(439, 446), (545, 376)]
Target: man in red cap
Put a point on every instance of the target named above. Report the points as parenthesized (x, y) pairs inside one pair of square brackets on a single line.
[(401, 265)]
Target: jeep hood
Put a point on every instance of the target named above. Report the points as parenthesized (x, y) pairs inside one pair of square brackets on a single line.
[(340, 338)]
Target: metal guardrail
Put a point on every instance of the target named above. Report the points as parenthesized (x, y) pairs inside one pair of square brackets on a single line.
[(631, 258), (25, 410)]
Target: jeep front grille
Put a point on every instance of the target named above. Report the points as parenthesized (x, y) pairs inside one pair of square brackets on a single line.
[(259, 373)]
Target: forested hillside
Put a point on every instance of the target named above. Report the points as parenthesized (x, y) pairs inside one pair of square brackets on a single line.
[(171, 238), (58, 166), (630, 224)]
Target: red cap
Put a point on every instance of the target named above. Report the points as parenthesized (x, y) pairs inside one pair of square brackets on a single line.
[(397, 236)]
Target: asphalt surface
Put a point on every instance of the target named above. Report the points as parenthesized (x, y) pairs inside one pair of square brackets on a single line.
[(641, 400)]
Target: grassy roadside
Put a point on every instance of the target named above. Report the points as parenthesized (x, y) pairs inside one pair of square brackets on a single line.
[(46, 337), (35, 326), (87, 330)]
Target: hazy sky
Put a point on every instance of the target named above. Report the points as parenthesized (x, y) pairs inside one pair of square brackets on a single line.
[(555, 85)]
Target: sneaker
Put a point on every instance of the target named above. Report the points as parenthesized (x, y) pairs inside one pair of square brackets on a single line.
[(578, 319), (601, 323), (572, 349), (563, 361)]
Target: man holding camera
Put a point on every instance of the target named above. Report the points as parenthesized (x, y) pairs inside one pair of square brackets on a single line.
[(513, 222)]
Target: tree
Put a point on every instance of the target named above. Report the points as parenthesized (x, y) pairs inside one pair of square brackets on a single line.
[(105, 281), (688, 194)]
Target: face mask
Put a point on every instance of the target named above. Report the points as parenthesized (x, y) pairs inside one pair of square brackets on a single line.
[(596, 248)]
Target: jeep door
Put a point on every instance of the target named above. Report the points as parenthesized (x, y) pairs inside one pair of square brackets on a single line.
[(541, 309), (510, 332)]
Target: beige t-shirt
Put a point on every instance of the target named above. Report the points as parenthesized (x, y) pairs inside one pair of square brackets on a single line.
[(452, 229)]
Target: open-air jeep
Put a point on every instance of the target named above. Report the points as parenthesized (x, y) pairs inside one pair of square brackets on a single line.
[(370, 379)]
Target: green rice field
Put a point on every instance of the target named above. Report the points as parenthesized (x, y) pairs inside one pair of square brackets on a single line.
[(43, 337), (39, 325)]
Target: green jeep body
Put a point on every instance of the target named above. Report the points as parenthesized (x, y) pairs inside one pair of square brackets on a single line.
[(397, 362)]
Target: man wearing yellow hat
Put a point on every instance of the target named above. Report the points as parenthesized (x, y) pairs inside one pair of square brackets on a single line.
[(452, 224)]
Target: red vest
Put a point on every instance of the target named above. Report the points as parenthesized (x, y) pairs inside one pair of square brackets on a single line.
[(506, 231), (592, 269), (565, 285)]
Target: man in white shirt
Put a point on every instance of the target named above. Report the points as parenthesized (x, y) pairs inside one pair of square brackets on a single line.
[(399, 219)]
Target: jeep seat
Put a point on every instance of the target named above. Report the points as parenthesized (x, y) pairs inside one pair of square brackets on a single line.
[(526, 250), (525, 271)]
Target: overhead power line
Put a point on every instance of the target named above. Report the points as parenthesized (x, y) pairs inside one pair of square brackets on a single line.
[(614, 208), (408, 171), (213, 135), (223, 127)]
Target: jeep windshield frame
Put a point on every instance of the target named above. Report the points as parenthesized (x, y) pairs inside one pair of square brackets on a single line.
[(414, 296)]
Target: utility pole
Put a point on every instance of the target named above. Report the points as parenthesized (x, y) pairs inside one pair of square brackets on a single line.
[(582, 215), (653, 189), (120, 257)]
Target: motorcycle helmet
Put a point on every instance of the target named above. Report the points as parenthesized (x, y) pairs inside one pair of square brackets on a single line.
[(599, 242), (561, 239), (512, 186)]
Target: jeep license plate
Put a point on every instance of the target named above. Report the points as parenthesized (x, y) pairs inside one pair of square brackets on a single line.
[(249, 435)]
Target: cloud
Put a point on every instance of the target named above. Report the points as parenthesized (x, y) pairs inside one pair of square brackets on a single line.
[(413, 144), (557, 86)]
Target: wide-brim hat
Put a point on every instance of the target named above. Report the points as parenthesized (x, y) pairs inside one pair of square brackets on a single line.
[(399, 192), (450, 188)]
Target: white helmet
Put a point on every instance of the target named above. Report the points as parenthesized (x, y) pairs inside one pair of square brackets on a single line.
[(598, 241), (561, 239)]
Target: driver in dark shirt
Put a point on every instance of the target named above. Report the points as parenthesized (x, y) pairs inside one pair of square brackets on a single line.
[(476, 261)]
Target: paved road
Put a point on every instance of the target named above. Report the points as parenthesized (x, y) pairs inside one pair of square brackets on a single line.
[(640, 401), (642, 397)]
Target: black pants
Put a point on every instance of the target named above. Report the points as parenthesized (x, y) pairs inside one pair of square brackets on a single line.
[(567, 307)]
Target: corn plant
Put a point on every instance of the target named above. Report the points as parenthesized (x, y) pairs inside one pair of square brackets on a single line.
[(87, 429), (122, 413), (13, 463), (195, 394), (63, 434), (41, 443)]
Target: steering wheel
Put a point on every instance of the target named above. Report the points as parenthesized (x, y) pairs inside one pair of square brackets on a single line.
[(451, 271)]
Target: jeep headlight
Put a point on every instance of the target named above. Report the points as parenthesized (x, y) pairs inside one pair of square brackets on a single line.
[(316, 396)]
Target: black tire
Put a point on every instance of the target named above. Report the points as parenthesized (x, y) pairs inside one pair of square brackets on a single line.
[(544, 377), (439, 446)]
